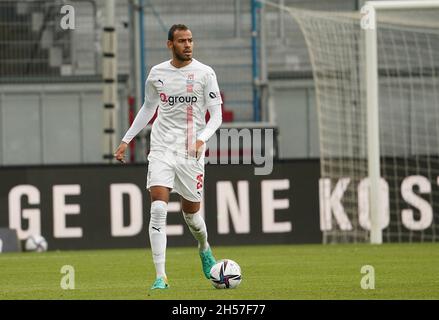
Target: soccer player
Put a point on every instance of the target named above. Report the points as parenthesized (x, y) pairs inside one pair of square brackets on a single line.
[(183, 89)]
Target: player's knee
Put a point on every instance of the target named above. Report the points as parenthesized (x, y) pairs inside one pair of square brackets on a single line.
[(159, 193), (188, 216), (190, 207), (158, 213), (193, 220), (159, 208)]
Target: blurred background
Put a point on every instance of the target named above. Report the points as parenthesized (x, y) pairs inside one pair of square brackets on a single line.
[(52, 79)]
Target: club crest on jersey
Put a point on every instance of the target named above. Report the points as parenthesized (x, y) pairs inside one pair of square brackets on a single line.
[(190, 83), (171, 100)]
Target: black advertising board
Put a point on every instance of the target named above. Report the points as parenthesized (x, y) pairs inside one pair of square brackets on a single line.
[(107, 206)]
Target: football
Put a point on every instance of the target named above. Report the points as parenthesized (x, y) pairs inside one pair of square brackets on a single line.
[(36, 243), (225, 274)]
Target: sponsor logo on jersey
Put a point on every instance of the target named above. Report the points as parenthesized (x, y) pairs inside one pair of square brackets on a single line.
[(213, 95), (171, 100)]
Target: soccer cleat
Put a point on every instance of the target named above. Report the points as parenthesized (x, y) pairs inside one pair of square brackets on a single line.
[(160, 283), (207, 261)]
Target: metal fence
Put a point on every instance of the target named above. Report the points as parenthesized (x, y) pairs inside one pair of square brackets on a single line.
[(37, 50), (222, 39), (37, 40), (51, 107)]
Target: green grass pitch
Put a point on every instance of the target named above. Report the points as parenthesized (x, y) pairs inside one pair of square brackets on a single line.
[(281, 272)]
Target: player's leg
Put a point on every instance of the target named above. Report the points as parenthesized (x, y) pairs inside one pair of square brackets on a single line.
[(189, 180), (195, 222), (157, 233), (197, 226), (160, 181)]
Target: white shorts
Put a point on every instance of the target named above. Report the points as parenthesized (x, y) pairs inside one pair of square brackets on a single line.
[(184, 176)]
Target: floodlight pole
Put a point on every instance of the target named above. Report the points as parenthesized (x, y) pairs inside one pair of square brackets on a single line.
[(255, 6), (109, 75)]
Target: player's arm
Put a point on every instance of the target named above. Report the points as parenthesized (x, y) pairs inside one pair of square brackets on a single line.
[(213, 101), (215, 120), (142, 118)]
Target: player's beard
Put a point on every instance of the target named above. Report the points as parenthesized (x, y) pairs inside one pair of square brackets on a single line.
[(181, 57)]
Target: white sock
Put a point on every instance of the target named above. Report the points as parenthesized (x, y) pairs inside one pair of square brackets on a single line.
[(197, 226), (157, 236)]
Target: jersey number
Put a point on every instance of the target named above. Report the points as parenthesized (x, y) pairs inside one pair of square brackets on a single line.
[(199, 181)]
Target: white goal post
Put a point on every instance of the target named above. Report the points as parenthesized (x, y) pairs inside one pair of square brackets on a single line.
[(370, 9)]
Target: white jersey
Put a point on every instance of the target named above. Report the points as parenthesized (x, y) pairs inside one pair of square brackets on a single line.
[(183, 95)]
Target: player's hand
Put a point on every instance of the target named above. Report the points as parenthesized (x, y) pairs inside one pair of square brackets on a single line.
[(199, 149), (119, 154)]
